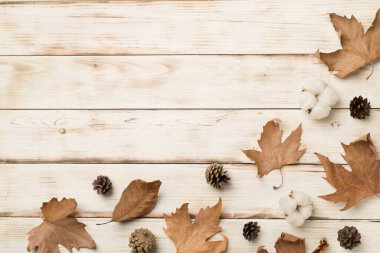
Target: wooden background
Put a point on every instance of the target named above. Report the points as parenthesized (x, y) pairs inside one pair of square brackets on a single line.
[(160, 89)]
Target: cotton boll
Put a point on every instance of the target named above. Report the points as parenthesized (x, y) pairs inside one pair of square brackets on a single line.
[(328, 96), (295, 219), (306, 211), (307, 100), (288, 204), (301, 198), (320, 111), (315, 88)]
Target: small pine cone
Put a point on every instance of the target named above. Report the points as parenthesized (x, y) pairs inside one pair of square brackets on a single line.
[(216, 175), (359, 107), (251, 230), (142, 241), (102, 184), (349, 237)]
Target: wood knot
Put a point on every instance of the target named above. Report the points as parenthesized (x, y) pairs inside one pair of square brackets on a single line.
[(62, 130)]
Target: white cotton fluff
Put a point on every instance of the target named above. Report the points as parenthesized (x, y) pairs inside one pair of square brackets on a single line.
[(317, 98), (297, 207)]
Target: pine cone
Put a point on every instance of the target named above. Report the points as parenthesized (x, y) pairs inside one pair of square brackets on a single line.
[(142, 241), (102, 184), (216, 175), (349, 237), (359, 107), (251, 230)]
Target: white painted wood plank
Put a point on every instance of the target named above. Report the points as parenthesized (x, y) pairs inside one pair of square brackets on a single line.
[(170, 82), (23, 188), (13, 236), (175, 27), (156, 136)]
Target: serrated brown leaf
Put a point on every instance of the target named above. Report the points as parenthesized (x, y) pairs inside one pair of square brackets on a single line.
[(362, 181), (358, 48), (57, 228), (274, 154), (192, 237), (138, 199)]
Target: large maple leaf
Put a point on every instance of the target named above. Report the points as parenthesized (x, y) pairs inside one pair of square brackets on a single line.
[(274, 154), (362, 181), (358, 47), (192, 237), (58, 228)]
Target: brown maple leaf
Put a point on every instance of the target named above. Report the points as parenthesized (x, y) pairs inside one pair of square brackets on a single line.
[(358, 48), (362, 181), (274, 154), (58, 228), (192, 237)]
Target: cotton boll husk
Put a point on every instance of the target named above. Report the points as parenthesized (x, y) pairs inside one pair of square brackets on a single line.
[(288, 204), (328, 96), (307, 100), (315, 88), (295, 219), (306, 211), (301, 198), (320, 111)]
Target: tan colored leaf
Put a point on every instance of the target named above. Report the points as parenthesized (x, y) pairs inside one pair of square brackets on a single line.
[(322, 248), (261, 249), (288, 243), (362, 181), (358, 48), (193, 237), (58, 228), (274, 154), (138, 199)]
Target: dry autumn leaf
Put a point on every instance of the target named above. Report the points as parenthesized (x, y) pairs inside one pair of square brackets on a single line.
[(189, 236), (58, 228), (362, 181), (358, 47), (288, 243), (274, 154), (138, 199)]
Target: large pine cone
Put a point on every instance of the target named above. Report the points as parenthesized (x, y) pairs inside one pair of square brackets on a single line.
[(359, 107), (102, 184), (216, 175), (251, 230), (142, 241), (349, 237)]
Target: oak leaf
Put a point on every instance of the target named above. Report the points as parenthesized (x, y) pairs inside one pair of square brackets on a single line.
[(274, 154), (362, 181), (138, 199), (57, 228), (192, 237), (358, 47)]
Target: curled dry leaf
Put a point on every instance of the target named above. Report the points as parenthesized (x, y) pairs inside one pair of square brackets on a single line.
[(274, 154), (358, 47), (322, 248), (138, 199), (288, 243), (261, 249), (57, 228), (362, 181), (189, 236)]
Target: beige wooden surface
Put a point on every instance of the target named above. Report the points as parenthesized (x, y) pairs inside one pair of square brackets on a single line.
[(159, 89)]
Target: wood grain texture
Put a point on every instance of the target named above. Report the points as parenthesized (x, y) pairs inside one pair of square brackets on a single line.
[(116, 82), (174, 27), (245, 197), (165, 136), (13, 234)]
